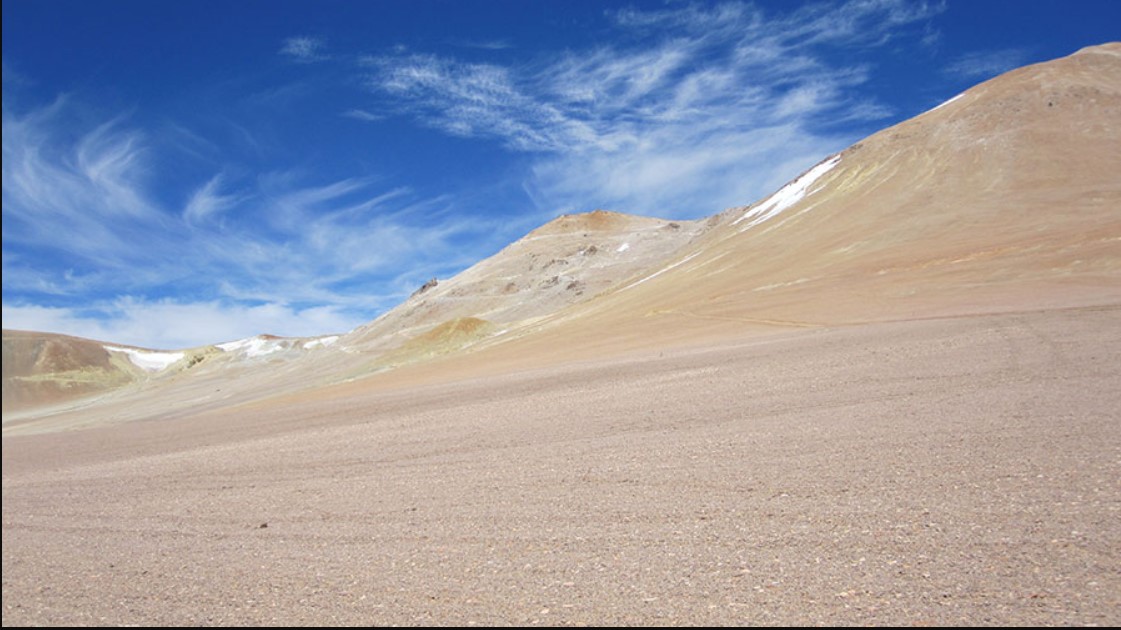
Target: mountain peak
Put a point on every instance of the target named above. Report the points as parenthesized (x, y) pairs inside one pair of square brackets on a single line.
[(596, 221)]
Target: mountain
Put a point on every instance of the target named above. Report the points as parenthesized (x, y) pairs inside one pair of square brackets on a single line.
[(51, 375), (568, 261), (1004, 198), (40, 368)]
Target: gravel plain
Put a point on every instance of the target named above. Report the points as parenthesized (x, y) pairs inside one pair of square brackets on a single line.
[(950, 471)]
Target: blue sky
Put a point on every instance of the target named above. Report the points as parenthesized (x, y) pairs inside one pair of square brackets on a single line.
[(180, 173)]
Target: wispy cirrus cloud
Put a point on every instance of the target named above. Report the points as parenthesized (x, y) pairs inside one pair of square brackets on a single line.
[(985, 64), (88, 196), (472, 100), (483, 44), (85, 225), (671, 120), (208, 202), (305, 49), (361, 114)]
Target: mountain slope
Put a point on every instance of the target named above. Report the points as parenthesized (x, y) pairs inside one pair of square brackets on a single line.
[(1004, 198), (50, 374), (44, 368), (567, 261)]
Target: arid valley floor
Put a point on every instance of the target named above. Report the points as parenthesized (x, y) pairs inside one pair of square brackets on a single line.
[(947, 471)]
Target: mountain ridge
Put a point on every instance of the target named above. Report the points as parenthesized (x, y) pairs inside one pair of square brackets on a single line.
[(1001, 198)]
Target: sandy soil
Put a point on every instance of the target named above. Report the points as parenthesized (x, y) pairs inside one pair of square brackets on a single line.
[(946, 471)]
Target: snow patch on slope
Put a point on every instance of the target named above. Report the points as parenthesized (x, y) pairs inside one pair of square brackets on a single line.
[(253, 346), (788, 195), (322, 341), (944, 103), (660, 272), (147, 360)]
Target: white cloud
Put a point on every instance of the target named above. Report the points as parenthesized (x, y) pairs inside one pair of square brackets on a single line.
[(361, 114), (82, 224), (681, 177), (694, 111), (692, 18), (471, 99), (85, 197), (304, 49), (986, 64), (207, 202), (170, 325), (482, 44)]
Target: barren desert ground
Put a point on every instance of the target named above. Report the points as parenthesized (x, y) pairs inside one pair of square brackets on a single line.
[(887, 394), (964, 470)]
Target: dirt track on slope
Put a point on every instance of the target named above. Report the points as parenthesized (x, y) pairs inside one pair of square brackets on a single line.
[(951, 471)]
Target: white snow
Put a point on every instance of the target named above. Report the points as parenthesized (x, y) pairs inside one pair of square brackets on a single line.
[(147, 360), (777, 285), (788, 195), (624, 247), (230, 346), (658, 273), (253, 346), (945, 103), (322, 341)]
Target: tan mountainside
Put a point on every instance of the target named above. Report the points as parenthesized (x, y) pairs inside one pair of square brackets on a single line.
[(570, 260), (567, 261), (58, 373), (1004, 198)]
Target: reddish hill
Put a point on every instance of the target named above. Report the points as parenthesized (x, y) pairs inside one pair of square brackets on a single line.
[(44, 368)]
